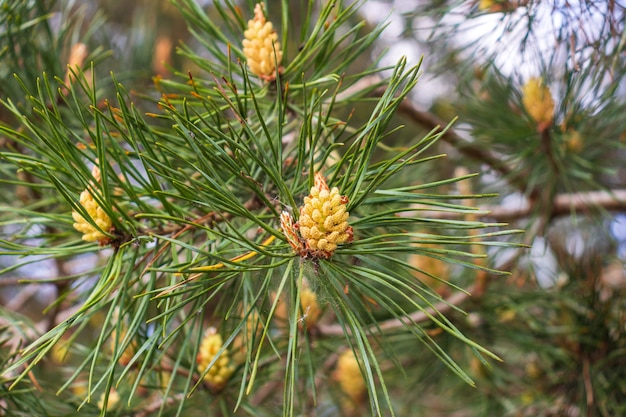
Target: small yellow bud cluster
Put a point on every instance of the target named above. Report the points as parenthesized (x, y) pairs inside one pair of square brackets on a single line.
[(99, 216), (60, 351), (574, 141), (128, 353), (310, 309), (323, 219), (323, 222), (244, 339), (112, 401), (494, 6), (219, 374), (538, 102), (348, 375), (261, 46)]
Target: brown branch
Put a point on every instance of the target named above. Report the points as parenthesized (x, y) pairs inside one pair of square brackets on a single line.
[(419, 316), (158, 402), (11, 281), (432, 122), (564, 204)]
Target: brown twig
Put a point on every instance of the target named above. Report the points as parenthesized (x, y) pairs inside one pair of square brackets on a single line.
[(158, 402), (430, 121), (211, 217), (419, 316), (564, 204), (11, 281)]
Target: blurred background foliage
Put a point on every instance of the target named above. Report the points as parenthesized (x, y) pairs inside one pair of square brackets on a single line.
[(558, 321)]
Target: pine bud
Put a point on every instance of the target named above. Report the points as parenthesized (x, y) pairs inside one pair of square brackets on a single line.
[(97, 214), (112, 401), (310, 308), (219, 374), (348, 375), (538, 102), (261, 46), (495, 6), (323, 220), (253, 325), (291, 233), (75, 62), (574, 141)]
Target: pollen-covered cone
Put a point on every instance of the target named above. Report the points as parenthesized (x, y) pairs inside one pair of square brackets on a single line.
[(99, 216), (219, 374), (310, 309), (261, 46), (323, 219), (348, 375), (111, 401), (244, 339), (538, 102)]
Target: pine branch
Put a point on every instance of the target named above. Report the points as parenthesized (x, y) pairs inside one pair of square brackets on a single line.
[(430, 121), (563, 205), (452, 302)]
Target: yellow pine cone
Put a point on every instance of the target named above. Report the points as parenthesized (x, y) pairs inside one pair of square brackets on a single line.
[(310, 309), (99, 216), (246, 337), (261, 46), (494, 6), (221, 371), (538, 102), (574, 141), (60, 351), (130, 351), (323, 220), (348, 374), (113, 400)]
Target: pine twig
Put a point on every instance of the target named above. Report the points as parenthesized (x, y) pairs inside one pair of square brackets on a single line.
[(430, 121), (419, 316), (564, 204)]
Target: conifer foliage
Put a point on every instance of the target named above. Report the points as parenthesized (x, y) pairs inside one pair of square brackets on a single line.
[(253, 232)]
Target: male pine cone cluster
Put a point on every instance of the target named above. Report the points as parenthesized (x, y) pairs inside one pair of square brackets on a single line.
[(538, 102), (348, 374), (323, 222), (221, 371), (261, 46), (97, 214)]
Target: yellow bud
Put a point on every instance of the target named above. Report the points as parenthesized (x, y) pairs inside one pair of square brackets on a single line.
[(574, 141), (96, 213), (538, 102), (485, 4), (348, 375), (495, 6), (75, 62), (310, 308), (323, 220), (261, 46), (241, 342), (429, 265), (60, 352), (220, 372), (114, 398), (128, 353)]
